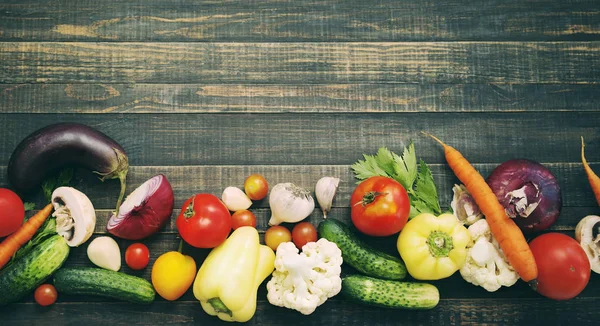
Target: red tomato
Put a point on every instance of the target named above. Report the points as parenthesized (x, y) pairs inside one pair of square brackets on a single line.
[(277, 234), (256, 187), (563, 267), (45, 295), (13, 212), (137, 256), (380, 206), (243, 218), (303, 233), (204, 221)]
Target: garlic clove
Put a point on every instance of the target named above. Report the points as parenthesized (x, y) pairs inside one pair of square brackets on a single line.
[(235, 199), (75, 215), (325, 192), (104, 252)]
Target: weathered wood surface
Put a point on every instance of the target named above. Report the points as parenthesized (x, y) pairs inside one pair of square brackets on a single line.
[(274, 20), (208, 92), (300, 98), (286, 63)]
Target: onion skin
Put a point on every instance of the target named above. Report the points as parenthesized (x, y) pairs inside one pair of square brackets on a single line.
[(145, 218), (527, 175)]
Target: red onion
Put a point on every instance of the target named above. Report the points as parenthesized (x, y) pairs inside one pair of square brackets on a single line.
[(144, 211), (529, 193)]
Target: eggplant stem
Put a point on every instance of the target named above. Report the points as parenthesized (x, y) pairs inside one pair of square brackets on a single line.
[(180, 246), (122, 180)]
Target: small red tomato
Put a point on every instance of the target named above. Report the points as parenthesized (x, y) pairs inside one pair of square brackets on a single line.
[(137, 256), (379, 206), (243, 218), (204, 221), (45, 295), (13, 212), (256, 187), (563, 266), (276, 235), (303, 233)]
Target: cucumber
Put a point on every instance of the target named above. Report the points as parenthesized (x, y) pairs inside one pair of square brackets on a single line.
[(390, 294), (359, 255), (26, 273), (104, 283)]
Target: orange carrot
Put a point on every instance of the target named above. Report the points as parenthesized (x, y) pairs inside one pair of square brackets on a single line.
[(13, 242), (507, 233), (593, 179)]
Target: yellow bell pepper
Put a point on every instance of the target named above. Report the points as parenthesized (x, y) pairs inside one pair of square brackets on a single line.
[(228, 280), (433, 247)]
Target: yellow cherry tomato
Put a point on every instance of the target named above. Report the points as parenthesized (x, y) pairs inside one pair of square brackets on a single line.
[(172, 274)]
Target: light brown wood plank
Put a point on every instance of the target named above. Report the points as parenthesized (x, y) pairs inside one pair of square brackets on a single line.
[(239, 20), (293, 63), (331, 98)]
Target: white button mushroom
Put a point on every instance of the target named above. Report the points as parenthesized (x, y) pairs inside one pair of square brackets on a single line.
[(75, 215), (587, 233)]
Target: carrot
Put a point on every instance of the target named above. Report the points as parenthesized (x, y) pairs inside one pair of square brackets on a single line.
[(593, 179), (13, 242), (507, 233)]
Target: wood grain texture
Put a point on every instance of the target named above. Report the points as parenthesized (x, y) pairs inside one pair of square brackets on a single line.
[(293, 63), (325, 139), (449, 312), (329, 20), (261, 98)]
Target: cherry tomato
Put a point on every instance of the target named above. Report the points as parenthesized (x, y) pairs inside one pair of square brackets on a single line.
[(276, 235), (563, 267), (243, 218), (45, 295), (256, 187), (303, 233), (204, 221), (379, 206), (13, 212), (137, 256)]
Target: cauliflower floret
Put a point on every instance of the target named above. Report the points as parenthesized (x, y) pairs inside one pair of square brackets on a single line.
[(486, 265), (305, 281)]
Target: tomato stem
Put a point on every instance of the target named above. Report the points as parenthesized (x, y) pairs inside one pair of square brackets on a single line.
[(370, 197), (189, 211)]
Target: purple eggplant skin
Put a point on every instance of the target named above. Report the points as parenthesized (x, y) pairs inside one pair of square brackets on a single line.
[(64, 144)]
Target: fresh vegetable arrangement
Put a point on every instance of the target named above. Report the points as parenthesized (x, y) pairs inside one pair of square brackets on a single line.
[(302, 264)]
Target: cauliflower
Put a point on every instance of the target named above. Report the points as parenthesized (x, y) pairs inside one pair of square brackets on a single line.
[(305, 281), (486, 265)]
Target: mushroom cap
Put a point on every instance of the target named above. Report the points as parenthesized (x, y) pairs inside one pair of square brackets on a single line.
[(81, 210), (589, 239)]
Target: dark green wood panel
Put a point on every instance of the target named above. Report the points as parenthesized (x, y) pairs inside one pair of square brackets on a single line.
[(188, 180), (449, 312), (308, 139), (293, 63), (335, 98), (330, 20)]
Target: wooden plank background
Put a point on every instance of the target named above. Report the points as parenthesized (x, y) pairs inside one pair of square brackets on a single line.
[(208, 92)]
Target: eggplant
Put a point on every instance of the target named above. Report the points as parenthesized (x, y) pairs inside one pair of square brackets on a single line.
[(66, 144)]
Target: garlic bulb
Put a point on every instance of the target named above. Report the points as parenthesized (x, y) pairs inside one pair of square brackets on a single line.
[(289, 203), (235, 199), (325, 191), (464, 207)]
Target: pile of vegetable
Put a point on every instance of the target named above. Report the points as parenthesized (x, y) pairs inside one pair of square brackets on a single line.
[(480, 236)]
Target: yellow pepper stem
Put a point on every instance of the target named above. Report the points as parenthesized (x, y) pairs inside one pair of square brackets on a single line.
[(440, 243), (219, 306)]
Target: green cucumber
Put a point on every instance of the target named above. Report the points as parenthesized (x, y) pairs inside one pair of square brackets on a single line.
[(359, 255), (390, 294), (104, 283), (26, 273)]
